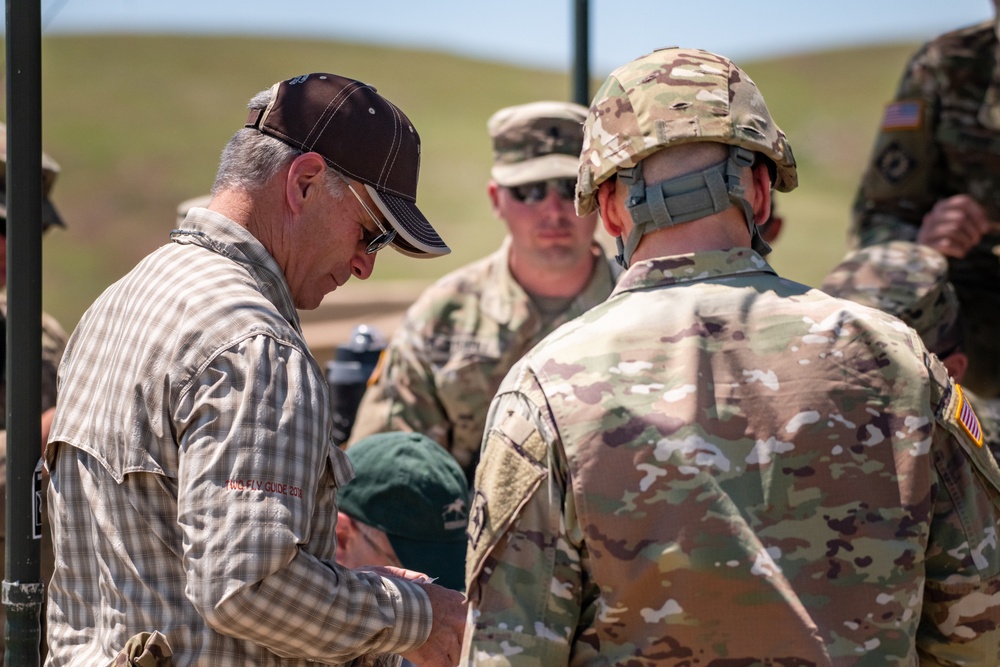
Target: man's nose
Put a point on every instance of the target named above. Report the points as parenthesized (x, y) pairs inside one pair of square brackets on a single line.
[(363, 264)]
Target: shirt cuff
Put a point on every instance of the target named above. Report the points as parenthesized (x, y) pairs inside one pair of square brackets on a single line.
[(414, 615)]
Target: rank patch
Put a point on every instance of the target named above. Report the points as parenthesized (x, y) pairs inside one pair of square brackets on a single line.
[(966, 416), (904, 115)]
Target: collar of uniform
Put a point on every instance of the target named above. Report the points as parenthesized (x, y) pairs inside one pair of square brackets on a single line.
[(214, 231), (679, 269), (503, 299)]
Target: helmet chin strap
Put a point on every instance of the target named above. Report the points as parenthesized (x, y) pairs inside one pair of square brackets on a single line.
[(687, 198)]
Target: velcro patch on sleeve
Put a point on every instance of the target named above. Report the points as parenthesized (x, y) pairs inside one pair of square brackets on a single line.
[(506, 477), (903, 115)]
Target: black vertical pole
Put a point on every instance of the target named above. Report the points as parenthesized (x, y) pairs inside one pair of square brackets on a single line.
[(23, 592), (581, 53)]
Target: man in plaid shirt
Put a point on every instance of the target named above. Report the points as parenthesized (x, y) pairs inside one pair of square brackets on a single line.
[(193, 481)]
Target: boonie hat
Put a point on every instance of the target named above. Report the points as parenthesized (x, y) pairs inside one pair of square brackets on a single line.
[(362, 135), (674, 96), (414, 491), (536, 142), (907, 280), (50, 169)]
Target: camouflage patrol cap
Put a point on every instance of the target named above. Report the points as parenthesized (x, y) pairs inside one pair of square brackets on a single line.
[(674, 96), (50, 169), (536, 142), (905, 279)]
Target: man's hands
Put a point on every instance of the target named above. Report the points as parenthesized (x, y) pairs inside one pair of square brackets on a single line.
[(955, 225), (443, 647)]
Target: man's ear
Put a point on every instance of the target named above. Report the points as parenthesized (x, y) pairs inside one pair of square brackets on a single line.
[(346, 529), (493, 190), (956, 363), (305, 173), (611, 207), (762, 193)]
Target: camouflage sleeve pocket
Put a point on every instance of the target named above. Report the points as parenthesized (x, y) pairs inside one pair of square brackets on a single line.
[(509, 472)]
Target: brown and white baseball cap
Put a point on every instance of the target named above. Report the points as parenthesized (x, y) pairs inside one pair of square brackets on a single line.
[(537, 141), (362, 135)]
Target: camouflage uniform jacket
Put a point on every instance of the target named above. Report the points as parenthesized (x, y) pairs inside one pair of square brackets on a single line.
[(721, 467), (456, 343), (939, 138)]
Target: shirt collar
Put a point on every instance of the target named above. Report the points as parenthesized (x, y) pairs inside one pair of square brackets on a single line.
[(694, 267), (504, 300), (214, 231)]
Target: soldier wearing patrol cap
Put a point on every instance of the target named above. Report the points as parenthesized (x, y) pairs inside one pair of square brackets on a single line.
[(53, 344), (934, 177), (465, 331), (910, 280), (717, 465)]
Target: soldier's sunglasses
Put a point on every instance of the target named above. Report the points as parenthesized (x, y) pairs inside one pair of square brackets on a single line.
[(532, 193)]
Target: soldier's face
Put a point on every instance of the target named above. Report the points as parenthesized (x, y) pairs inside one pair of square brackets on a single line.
[(544, 228)]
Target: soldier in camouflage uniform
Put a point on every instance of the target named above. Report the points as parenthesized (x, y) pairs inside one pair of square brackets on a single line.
[(53, 343), (934, 177), (718, 466), (463, 334), (910, 280)]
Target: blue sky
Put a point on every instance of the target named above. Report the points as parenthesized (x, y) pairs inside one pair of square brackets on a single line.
[(538, 32)]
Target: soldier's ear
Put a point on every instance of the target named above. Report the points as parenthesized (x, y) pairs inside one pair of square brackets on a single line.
[(762, 193), (611, 207), (956, 363), (493, 190)]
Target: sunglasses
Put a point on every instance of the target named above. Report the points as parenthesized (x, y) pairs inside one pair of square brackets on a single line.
[(373, 242), (532, 193)]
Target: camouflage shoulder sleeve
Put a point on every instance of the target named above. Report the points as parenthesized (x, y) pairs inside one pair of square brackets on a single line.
[(957, 416), (901, 181), (401, 395), (524, 576), (961, 607)]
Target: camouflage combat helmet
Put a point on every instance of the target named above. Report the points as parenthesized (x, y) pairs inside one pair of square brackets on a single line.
[(907, 280), (670, 97)]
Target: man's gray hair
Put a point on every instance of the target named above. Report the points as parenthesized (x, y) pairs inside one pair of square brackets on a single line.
[(252, 158)]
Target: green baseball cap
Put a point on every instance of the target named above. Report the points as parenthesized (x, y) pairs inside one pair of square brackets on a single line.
[(905, 279), (414, 491)]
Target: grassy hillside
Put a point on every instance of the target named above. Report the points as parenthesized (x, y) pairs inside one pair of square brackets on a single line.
[(137, 124)]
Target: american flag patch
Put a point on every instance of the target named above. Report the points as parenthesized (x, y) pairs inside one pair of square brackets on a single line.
[(904, 115), (966, 416)]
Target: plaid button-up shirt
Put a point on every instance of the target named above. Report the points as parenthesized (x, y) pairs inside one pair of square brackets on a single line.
[(193, 481)]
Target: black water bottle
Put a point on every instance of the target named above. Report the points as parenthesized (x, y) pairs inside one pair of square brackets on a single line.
[(348, 375)]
